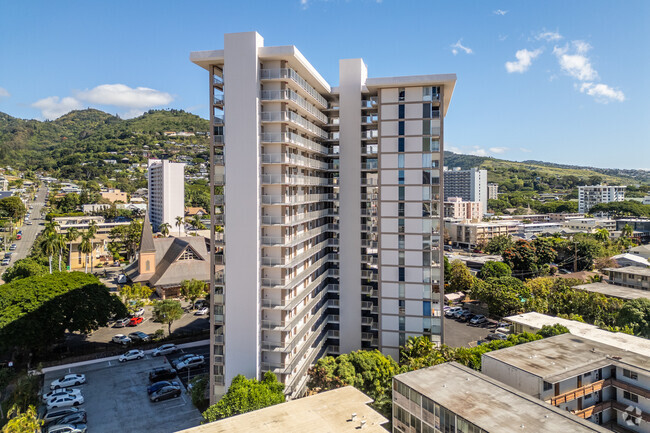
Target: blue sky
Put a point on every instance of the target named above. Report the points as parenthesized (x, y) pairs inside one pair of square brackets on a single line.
[(561, 81)]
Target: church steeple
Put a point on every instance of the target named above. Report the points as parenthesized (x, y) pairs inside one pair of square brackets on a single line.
[(147, 257), (146, 241)]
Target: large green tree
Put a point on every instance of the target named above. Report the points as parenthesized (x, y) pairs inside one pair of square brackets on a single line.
[(193, 289), (504, 296), (368, 371), (37, 311), (460, 278), (167, 312), (245, 395), (24, 268), (493, 269), (22, 422), (636, 314), (498, 244)]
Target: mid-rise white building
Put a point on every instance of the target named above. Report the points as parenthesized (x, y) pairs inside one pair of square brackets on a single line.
[(590, 196), (166, 183), (470, 185), (331, 209)]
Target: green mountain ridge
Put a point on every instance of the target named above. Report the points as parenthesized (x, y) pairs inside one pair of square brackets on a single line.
[(75, 145)]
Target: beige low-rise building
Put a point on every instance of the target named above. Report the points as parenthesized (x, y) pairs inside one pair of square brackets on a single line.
[(636, 277), (114, 195), (589, 225), (457, 208), (453, 398), (468, 234), (589, 379)]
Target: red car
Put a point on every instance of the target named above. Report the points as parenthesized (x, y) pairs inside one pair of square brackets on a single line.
[(135, 321)]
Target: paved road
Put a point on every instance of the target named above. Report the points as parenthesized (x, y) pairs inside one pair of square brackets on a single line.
[(29, 231), (459, 334)]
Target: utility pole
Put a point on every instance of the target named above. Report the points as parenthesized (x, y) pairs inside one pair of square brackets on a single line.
[(575, 256)]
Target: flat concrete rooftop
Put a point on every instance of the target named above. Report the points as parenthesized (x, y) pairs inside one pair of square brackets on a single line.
[(625, 342), (490, 404), (614, 290), (558, 358), (631, 270), (326, 412)]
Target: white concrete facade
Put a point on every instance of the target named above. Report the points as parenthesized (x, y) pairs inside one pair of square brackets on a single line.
[(307, 171), (166, 185), (590, 196)]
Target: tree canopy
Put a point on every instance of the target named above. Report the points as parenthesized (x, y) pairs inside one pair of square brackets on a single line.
[(24, 268), (636, 314), (493, 269), (64, 301), (245, 395), (167, 312)]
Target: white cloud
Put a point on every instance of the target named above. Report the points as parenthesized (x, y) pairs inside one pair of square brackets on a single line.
[(524, 60), (548, 36), (499, 12), (523, 149), (131, 102), (498, 149), (53, 107), (303, 4), (478, 151), (576, 63), (459, 46), (602, 92), (121, 95), (503, 37), (4, 93)]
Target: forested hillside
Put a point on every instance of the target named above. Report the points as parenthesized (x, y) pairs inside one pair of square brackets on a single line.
[(75, 145)]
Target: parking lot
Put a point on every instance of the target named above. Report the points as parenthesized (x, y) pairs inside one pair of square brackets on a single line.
[(116, 397), (460, 334)]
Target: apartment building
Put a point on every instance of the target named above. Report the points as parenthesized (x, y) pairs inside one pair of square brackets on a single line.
[(457, 208), (592, 380), (114, 195), (453, 398), (470, 185), (590, 196), (470, 235), (166, 189), (589, 225), (493, 191), (636, 277), (331, 209)]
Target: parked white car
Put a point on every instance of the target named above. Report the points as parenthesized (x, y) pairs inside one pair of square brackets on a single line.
[(65, 401), (192, 362), (68, 380), (165, 349), (139, 312), (121, 339), (202, 311), (60, 392), (131, 355)]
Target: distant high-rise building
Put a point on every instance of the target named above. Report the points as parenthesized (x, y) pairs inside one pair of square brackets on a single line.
[(493, 191), (590, 196), (166, 193), (470, 185), (331, 209)]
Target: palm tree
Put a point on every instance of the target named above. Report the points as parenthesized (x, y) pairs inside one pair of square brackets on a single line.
[(627, 231), (197, 223), (164, 229), (602, 235), (71, 236), (60, 240), (50, 245), (51, 227), (86, 247), (179, 223)]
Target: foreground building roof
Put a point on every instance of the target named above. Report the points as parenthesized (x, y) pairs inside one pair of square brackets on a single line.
[(327, 412)]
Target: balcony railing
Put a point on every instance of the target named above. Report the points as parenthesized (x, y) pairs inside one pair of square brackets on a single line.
[(290, 116), (290, 95), (287, 241), (270, 74), (295, 179), (293, 159), (369, 103), (218, 100), (296, 199), (292, 138), (298, 218)]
